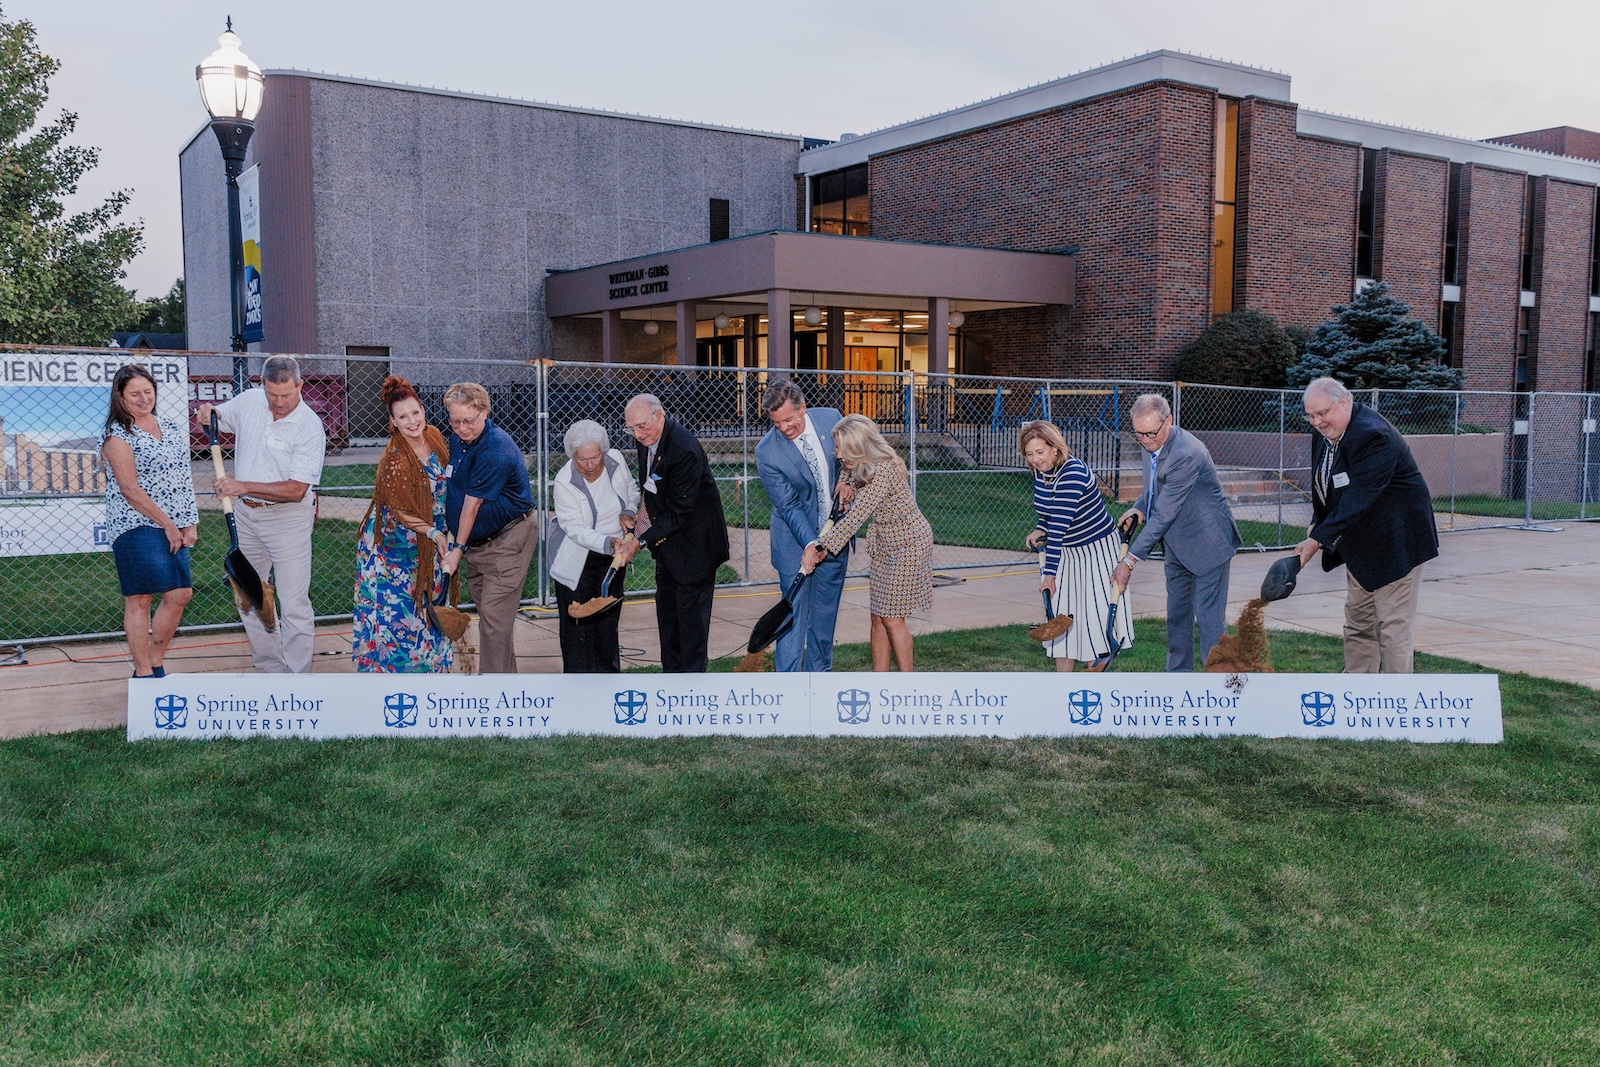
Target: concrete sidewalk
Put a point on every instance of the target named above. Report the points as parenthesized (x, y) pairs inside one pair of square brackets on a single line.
[(1513, 600)]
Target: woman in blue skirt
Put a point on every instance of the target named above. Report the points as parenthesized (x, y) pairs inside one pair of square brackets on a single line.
[(151, 516)]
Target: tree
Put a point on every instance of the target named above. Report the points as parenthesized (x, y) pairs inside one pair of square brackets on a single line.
[(60, 274), (1374, 343), (1246, 348), (162, 314)]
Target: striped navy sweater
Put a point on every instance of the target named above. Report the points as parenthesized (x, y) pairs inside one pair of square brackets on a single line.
[(1070, 510)]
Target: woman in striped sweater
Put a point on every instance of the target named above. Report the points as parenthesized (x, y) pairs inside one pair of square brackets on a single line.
[(1080, 545)]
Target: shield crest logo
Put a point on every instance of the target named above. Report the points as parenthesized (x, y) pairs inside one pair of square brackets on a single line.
[(1083, 707), (1316, 708), (399, 711), (172, 712), (854, 706), (631, 707)]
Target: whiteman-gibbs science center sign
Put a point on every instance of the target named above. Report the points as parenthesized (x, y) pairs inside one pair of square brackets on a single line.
[(1417, 707)]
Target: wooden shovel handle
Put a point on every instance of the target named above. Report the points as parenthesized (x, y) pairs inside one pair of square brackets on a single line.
[(216, 463)]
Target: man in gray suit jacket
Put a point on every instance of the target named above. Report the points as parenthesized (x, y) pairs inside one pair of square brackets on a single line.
[(798, 468), (1182, 506)]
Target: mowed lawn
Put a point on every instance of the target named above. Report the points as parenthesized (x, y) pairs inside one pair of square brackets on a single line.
[(810, 901)]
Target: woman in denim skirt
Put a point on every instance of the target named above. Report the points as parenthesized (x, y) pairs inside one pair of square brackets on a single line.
[(151, 516)]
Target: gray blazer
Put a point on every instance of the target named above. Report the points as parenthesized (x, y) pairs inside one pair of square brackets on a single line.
[(787, 479), (1191, 515)]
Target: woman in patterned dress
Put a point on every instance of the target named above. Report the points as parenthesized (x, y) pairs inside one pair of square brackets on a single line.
[(394, 581), (1080, 545), (899, 541), (152, 518)]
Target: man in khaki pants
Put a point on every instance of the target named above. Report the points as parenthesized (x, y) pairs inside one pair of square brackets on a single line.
[(488, 506), (1371, 511)]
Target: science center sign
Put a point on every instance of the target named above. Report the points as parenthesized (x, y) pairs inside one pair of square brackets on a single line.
[(1418, 707)]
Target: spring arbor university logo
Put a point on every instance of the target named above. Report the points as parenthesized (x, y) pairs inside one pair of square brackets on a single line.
[(1083, 707), (855, 706), (631, 706), (172, 712), (1316, 708), (399, 711)]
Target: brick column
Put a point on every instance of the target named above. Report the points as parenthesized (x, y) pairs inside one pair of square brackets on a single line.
[(938, 335), (686, 335)]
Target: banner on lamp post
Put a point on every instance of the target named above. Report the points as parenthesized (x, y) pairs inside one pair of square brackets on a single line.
[(250, 235)]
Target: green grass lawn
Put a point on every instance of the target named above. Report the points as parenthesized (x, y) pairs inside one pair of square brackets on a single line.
[(808, 901), (1496, 507)]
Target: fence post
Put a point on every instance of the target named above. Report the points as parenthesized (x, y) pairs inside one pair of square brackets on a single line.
[(541, 454), (1283, 415), (1177, 403), (1455, 456), (744, 458), (911, 428), (1583, 478), (1527, 462)]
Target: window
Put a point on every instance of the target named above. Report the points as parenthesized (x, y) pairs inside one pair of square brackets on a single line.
[(719, 219), (1366, 212), (1224, 207), (1594, 251), (1591, 365), (1447, 330), (1524, 371), (1452, 228), (1527, 236), (839, 202)]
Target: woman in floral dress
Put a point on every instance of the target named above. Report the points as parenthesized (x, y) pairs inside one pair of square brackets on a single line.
[(394, 582)]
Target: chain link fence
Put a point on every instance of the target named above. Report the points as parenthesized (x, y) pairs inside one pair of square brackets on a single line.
[(1491, 459)]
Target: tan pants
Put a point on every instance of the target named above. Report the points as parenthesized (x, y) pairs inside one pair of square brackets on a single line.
[(495, 574), (277, 542), (1378, 635)]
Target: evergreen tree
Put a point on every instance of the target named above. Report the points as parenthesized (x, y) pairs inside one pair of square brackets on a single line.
[(163, 314), (1374, 343), (1245, 348), (60, 274)]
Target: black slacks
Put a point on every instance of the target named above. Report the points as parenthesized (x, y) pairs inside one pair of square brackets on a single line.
[(683, 617), (590, 646)]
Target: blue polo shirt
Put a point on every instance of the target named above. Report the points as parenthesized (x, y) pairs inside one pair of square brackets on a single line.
[(492, 470)]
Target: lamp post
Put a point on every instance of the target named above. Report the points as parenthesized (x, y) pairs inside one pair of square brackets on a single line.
[(231, 88)]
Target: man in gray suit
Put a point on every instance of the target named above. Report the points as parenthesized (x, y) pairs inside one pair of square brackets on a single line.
[(798, 468), (1182, 507)]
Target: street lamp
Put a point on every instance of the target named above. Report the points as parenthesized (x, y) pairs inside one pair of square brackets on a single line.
[(231, 88)]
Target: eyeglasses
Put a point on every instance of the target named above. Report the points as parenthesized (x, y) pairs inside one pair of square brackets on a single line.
[(1151, 435), (640, 427), (468, 421), (1318, 416)]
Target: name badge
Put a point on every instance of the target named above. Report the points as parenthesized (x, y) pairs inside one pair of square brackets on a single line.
[(650, 483), (1341, 479), (278, 443), (449, 470)]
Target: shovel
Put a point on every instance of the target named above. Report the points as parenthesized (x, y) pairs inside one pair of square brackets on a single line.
[(1054, 625), (1103, 663), (246, 583), (595, 605), (780, 617)]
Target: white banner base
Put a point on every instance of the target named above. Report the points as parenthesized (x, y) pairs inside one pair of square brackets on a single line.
[(1414, 707)]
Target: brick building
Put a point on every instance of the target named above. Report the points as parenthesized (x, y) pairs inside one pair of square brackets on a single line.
[(1138, 200)]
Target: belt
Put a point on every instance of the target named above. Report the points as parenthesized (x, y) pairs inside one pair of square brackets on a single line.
[(497, 533), (247, 502)]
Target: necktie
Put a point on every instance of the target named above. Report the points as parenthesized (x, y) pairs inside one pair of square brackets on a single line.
[(641, 521), (1325, 469), (1152, 484), (814, 461)]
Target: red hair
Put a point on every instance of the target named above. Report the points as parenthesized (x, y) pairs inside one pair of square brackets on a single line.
[(396, 389)]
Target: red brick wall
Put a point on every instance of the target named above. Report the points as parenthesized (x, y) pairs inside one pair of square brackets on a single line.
[(1408, 234), (1563, 219), (1125, 177), (1491, 260), (1562, 140), (1297, 211)]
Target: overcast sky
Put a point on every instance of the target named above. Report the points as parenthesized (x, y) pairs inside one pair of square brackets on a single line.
[(1469, 68)]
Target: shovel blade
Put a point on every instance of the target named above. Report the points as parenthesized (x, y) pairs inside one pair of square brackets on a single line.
[(244, 578), (771, 626), (1049, 631), (591, 607)]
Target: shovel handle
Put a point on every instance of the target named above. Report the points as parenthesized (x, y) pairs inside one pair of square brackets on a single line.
[(216, 461), (820, 535)]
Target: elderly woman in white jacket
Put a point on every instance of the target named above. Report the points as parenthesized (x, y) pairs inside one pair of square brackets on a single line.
[(595, 499)]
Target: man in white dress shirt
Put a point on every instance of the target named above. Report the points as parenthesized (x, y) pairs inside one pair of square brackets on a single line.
[(278, 448), (799, 471)]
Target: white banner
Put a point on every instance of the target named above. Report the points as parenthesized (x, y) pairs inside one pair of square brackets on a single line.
[(1418, 707), (52, 408)]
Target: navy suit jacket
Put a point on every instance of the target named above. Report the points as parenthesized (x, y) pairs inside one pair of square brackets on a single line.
[(1191, 516), (688, 534), (789, 484), (1379, 523)]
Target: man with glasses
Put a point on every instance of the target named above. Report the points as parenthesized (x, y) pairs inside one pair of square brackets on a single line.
[(1183, 509), (1371, 511), (680, 520), (488, 501)]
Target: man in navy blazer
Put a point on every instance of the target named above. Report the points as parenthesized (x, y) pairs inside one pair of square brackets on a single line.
[(1370, 510), (1183, 508), (800, 472), (680, 521)]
